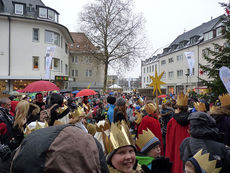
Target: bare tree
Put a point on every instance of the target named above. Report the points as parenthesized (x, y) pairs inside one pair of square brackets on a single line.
[(112, 26)]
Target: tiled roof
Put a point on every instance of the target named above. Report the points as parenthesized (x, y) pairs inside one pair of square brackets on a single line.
[(81, 42), (198, 31)]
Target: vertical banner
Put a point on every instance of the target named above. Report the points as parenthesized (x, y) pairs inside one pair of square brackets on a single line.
[(49, 55), (224, 73), (191, 61)]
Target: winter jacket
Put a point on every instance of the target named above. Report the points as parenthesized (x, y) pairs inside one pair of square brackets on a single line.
[(61, 149), (205, 135), (177, 131), (6, 126)]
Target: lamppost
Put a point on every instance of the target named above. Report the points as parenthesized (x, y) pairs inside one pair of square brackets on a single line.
[(187, 74)]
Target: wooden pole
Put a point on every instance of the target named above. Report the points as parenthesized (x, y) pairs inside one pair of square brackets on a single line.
[(157, 100)]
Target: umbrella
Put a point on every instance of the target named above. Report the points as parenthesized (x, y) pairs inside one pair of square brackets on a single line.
[(162, 96), (86, 92), (75, 92), (39, 86)]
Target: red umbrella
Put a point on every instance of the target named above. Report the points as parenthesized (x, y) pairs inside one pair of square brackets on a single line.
[(39, 86), (86, 92), (162, 96)]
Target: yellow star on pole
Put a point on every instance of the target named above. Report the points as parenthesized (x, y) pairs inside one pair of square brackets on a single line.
[(156, 82)]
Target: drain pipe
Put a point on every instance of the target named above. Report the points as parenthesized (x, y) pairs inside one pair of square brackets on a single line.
[(9, 52)]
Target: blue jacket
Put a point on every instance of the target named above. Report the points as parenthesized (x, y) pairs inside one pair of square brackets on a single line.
[(110, 112)]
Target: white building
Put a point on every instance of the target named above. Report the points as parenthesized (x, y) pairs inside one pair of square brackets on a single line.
[(148, 68), (174, 64), (27, 29)]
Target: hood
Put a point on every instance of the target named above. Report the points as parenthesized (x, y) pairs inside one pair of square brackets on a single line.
[(203, 126), (182, 118), (62, 148)]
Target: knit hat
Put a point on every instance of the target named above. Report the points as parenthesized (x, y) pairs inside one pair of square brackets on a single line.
[(120, 101)]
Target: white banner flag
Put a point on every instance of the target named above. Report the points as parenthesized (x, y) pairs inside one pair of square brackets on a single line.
[(49, 55), (191, 61), (48, 65), (225, 77)]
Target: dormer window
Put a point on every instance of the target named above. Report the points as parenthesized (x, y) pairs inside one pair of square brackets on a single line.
[(51, 15), (48, 13), (43, 12), (194, 39), (18, 9), (219, 31), (208, 35)]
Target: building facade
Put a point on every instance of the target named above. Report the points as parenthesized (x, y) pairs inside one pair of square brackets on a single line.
[(86, 67), (27, 29), (174, 63)]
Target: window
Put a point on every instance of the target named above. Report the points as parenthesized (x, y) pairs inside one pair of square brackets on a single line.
[(147, 79), (52, 38), (76, 72), (147, 71), (35, 34), (43, 12), (152, 68), (35, 62), (72, 73), (144, 70), (188, 71), (164, 75), (88, 73), (66, 69), (208, 35), (163, 62), (205, 52), (171, 74), (219, 31), (18, 9), (171, 60), (66, 48), (87, 60), (179, 58), (56, 64), (179, 73), (61, 41), (76, 59), (56, 39), (56, 17), (156, 67), (51, 15), (144, 79)]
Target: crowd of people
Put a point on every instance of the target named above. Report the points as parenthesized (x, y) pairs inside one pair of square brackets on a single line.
[(114, 133)]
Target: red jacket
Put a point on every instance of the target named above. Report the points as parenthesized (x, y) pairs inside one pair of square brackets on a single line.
[(175, 134), (153, 125)]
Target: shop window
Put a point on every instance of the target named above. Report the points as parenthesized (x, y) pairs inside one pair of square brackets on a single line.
[(35, 62)]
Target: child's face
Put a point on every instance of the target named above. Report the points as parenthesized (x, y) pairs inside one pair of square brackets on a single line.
[(189, 168)]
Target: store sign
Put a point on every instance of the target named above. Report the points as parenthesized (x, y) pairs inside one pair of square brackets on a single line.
[(62, 78)]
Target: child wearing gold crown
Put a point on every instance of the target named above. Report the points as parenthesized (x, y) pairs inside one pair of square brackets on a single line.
[(150, 152), (151, 122), (121, 150)]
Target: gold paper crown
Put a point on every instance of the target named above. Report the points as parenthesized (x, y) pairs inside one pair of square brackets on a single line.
[(205, 164), (144, 138), (61, 109), (103, 128), (139, 117), (225, 99), (119, 137), (37, 126), (200, 107), (79, 112), (182, 100), (150, 108)]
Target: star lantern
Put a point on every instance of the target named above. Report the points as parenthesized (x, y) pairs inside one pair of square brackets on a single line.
[(156, 83)]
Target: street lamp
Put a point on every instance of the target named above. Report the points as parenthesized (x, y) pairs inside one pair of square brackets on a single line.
[(187, 74)]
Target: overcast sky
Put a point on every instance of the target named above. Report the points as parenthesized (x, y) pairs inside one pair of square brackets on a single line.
[(165, 19)]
